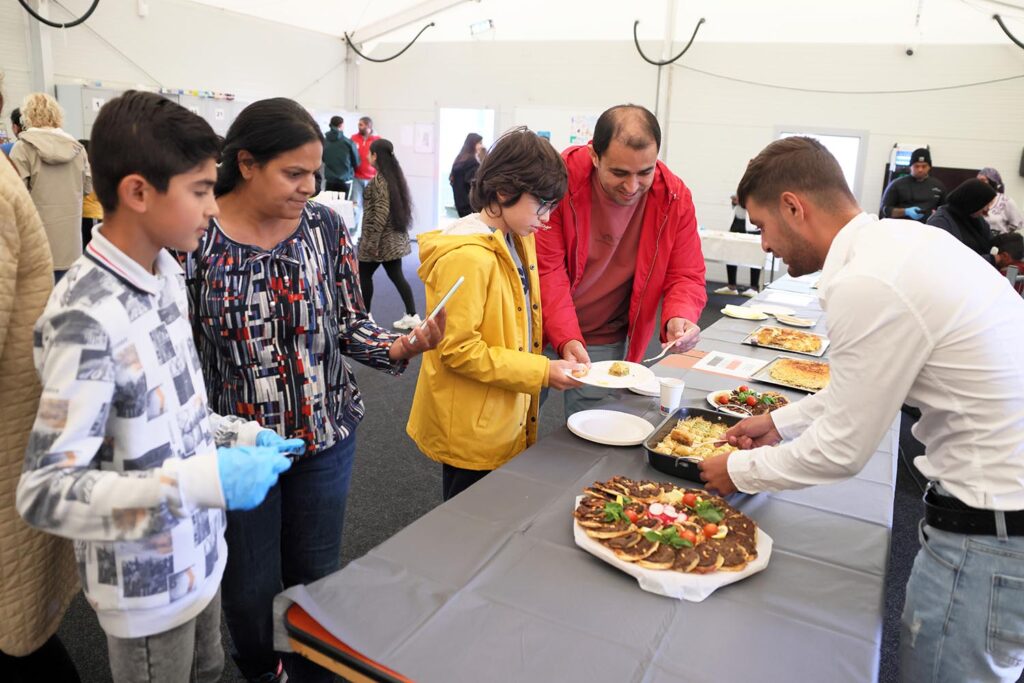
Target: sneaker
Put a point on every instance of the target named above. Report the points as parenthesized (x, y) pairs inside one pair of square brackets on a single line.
[(726, 290), (407, 322), (750, 292)]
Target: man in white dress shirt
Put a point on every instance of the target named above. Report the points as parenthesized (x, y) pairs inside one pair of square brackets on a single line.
[(914, 317)]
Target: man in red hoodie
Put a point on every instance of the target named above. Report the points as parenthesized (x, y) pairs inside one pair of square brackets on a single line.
[(364, 171), (623, 239)]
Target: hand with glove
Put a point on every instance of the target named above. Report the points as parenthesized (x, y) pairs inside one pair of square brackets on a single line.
[(913, 212), (248, 473), (268, 438)]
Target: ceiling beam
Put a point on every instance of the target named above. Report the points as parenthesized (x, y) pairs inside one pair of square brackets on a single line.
[(410, 15)]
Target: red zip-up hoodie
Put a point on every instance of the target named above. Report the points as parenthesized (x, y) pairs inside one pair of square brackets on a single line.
[(669, 264)]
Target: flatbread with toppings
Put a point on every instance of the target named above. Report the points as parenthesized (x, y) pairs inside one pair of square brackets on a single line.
[(788, 340), (805, 374)]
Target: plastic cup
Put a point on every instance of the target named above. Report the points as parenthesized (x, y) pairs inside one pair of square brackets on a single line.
[(671, 394)]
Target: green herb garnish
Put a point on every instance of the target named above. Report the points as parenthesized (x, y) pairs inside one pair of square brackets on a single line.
[(705, 510), (669, 536)]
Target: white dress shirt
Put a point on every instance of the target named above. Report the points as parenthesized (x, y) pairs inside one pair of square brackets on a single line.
[(914, 316)]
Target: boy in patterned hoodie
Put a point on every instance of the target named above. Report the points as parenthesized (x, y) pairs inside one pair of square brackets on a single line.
[(125, 457)]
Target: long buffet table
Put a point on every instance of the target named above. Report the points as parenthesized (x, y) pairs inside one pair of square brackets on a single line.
[(491, 587)]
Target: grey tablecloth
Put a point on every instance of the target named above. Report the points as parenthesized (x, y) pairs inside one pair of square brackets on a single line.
[(490, 586)]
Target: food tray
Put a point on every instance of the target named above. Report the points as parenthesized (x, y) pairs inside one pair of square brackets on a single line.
[(677, 466), (751, 340), (764, 376)]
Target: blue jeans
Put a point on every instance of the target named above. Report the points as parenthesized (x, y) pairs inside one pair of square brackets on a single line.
[(293, 537), (964, 615), (358, 190)]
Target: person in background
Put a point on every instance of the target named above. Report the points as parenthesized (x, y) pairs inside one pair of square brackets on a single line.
[(284, 361), (364, 171), (477, 397), (739, 224), (963, 216), (1009, 248), (125, 456), (463, 170), (341, 157), (15, 131), (1004, 215), (387, 218), (913, 318), (623, 242), (39, 574), (55, 168), (915, 196), (92, 210)]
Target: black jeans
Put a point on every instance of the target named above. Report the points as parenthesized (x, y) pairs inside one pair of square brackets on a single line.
[(455, 480), (337, 186), (740, 225), (395, 274), (51, 662)]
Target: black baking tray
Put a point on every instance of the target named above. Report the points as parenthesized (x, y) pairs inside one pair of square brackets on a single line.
[(682, 467)]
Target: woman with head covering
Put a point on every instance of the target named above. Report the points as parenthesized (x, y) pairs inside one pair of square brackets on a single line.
[(963, 216), (1003, 216)]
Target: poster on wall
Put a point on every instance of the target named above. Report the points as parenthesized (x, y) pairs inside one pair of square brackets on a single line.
[(424, 138), (581, 128)]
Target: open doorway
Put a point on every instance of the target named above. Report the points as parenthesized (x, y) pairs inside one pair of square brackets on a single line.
[(456, 124)]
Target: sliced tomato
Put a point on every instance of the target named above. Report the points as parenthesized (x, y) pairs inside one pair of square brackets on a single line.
[(744, 388), (751, 401), (689, 499), (631, 515), (689, 536), (723, 399), (710, 530)]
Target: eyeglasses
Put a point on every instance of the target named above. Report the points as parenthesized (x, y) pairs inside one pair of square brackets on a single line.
[(545, 205)]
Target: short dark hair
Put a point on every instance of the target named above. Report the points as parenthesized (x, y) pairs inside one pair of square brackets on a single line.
[(337, 122), (630, 124), (146, 133), (794, 164), (367, 120), (265, 129), (519, 162), (1012, 243), (16, 117)]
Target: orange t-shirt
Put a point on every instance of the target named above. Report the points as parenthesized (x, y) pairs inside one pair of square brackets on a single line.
[(602, 297)]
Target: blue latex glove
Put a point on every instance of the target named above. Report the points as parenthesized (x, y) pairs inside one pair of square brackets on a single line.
[(247, 473), (268, 438), (913, 212)]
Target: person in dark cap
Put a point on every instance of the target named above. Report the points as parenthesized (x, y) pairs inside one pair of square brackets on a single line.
[(917, 195), (963, 216)]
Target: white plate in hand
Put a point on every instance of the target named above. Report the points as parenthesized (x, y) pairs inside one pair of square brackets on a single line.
[(609, 427), (598, 375)]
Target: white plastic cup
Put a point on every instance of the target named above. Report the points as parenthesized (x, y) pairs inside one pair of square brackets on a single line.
[(671, 394)]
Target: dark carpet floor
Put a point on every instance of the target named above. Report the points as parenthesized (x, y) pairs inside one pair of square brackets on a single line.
[(386, 457)]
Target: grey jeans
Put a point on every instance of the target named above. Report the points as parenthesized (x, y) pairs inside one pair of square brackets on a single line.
[(190, 653), (588, 397)]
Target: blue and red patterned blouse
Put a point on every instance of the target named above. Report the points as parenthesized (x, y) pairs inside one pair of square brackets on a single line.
[(272, 328)]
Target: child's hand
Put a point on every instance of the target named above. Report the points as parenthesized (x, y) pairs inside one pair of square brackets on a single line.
[(560, 374), (247, 473)]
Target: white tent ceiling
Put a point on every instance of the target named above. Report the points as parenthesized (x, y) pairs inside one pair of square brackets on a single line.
[(909, 22)]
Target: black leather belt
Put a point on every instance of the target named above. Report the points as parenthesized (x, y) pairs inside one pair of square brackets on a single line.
[(951, 514)]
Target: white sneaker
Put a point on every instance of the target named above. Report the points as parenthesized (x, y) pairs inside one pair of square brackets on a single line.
[(407, 322), (726, 290), (750, 292)]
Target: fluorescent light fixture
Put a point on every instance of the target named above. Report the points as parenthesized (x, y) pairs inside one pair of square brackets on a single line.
[(481, 27)]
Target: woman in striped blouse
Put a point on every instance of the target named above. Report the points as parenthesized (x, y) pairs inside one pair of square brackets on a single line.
[(276, 306)]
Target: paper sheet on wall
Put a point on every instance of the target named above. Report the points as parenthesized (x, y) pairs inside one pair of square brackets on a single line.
[(722, 363)]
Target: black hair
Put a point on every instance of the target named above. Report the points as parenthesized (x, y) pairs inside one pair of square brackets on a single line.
[(398, 188), (1012, 243), (16, 117), (145, 133), (367, 120), (337, 122), (265, 129), (519, 162), (468, 150), (630, 124)]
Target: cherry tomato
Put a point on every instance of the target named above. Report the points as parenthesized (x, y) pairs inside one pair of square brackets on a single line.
[(710, 530), (689, 499), (631, 515), (744, 388), (723, 399), (751, 401), (689, 536)]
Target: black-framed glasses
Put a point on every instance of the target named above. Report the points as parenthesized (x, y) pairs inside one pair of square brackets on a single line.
[(545, 205)]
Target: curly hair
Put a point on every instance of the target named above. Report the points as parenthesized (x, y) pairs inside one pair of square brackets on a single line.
[(39, 110)]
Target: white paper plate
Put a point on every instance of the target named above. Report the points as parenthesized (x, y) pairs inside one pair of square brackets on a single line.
[(609, 427), (692, 587), (772, 309), (649, 387), (599, 377), (743, 313), (727, 409), (794, 321)]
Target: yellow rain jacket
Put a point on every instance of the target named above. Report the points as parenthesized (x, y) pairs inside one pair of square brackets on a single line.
[(478, 392)]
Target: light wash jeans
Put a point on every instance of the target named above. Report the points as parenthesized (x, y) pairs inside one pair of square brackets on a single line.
[(358, 190), (191, 652), (964, 615), (587, 397)]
